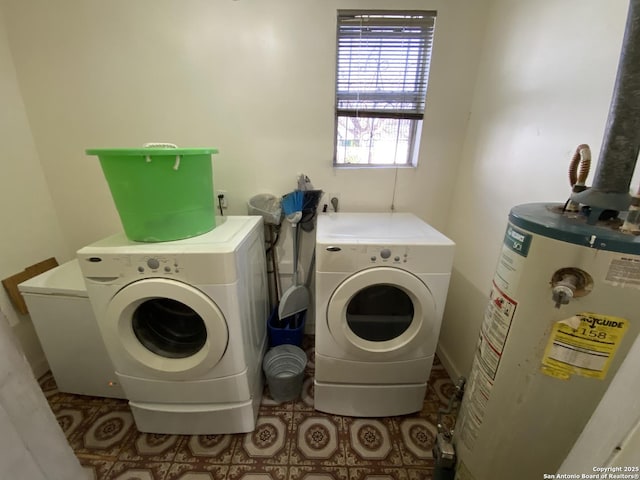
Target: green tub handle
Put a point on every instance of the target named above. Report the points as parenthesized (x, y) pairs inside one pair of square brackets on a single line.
[(176, 165)]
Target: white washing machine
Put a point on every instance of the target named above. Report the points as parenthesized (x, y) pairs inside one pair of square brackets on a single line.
[(381, 286), (184, 323)]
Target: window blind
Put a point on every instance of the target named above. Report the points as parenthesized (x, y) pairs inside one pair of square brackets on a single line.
[(383, 63)]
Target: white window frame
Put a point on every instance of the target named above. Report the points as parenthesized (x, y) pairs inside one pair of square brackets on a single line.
[(382, 71)]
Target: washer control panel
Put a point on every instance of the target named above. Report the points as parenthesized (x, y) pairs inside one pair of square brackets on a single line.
[(195, 268), (342, 257), (119, 266), (384, 255), (368, 255), (157, 264)]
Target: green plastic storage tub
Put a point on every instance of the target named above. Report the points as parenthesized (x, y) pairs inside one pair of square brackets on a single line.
[(161, 194)]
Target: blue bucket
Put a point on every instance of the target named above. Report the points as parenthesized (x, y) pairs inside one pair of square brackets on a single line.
[(286, 331)]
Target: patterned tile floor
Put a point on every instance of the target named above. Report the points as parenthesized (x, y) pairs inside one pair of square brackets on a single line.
[(292, 441)]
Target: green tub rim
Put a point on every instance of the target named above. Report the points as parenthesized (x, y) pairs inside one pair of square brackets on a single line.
[(133, 152)]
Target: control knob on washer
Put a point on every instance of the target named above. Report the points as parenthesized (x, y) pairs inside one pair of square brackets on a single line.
[(153, 263)]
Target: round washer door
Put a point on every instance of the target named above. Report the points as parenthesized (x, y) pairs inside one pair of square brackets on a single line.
[(166, 326), (381, 312)]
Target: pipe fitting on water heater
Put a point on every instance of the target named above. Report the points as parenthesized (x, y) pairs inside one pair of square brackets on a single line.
[(632, 222), (569, 283), (562, 292)]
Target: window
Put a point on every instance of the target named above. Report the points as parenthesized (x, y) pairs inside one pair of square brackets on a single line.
[(381, 86)]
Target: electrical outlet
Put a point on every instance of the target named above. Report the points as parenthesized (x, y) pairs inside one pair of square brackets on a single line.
[(223, 199)]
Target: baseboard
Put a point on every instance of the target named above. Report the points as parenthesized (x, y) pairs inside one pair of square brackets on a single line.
[(39, 366), (448, 365)]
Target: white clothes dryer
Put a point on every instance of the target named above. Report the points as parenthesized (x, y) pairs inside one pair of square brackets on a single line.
[(381, 286), (184, 323)]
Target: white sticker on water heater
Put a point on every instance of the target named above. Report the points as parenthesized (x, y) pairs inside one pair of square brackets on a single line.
[(624, 271), (515, 249), (498, 317), (508, 271), (494, 330)]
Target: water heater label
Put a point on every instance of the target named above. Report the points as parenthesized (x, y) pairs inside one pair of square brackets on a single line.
[(517, 240), (583, 345), (624, 272), (515, 249), (495, 328)]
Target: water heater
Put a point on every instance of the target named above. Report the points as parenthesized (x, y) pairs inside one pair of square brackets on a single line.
[(564, 306), (563, 310)]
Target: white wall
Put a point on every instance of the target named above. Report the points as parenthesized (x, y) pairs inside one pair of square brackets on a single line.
[(32, 445), (544, 87), (30, 228), (252, 78)]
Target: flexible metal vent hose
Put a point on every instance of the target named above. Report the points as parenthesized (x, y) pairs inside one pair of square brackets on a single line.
[(621, 141)]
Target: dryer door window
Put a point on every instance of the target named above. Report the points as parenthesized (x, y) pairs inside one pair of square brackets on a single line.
[(382, 310), (380, 313), (169, 328)]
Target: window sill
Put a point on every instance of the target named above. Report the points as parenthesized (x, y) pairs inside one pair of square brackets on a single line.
[(357, 166)]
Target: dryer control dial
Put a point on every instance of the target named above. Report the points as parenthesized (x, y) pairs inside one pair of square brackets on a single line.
[(385, 253), (153, 263)]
